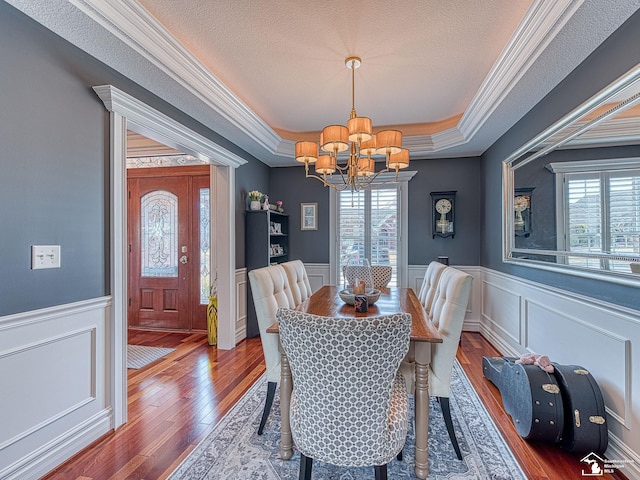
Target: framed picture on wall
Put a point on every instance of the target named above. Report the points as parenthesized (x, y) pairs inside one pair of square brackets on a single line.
[(308, 216)]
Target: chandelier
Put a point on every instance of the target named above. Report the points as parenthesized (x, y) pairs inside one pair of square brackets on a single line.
[(357, 170)]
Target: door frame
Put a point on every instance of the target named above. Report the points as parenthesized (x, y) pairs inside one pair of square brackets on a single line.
[(127, 112)]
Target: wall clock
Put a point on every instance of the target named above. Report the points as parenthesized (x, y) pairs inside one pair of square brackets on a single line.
[(522, 211), (443, 212)]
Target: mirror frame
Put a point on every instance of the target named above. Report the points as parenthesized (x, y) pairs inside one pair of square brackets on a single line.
[(519, 158)]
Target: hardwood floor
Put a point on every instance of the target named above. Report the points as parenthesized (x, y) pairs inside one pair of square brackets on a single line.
[(175, 402)]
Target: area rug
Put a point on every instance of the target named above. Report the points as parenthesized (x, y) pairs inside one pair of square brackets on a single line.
[(139, 356), (234, 449)]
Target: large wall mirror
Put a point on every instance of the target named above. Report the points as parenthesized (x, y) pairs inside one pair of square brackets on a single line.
[(571, 196)]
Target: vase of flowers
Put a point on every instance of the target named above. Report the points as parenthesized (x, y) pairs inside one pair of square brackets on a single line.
[(279, 204), (255, 196)]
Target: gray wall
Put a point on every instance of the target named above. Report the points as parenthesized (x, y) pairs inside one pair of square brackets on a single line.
[(463, 176), (250, 176), (614, 57), (460, 174), (54, 176), (289, 185)]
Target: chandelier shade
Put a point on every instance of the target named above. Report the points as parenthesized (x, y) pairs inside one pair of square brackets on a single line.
[(306, 152), (369, 147), (389, 142), (356, 169), (359, 129), (334, 138), (326, 165), (366, 167), (399, 160)]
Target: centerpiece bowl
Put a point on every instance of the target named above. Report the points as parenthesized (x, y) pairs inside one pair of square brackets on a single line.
[(349, 297)]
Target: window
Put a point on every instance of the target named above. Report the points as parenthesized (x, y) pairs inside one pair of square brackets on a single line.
[(371, 223), (368, 228), (600, 212)]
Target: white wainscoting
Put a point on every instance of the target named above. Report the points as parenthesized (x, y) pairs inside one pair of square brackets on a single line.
[(416, 275), (519, 316), (241, 304), (54, 399), (318, 274)]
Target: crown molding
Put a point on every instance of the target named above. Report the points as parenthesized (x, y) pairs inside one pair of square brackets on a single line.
[(135, 26), (131, 23), (540, 26), (171, 132)]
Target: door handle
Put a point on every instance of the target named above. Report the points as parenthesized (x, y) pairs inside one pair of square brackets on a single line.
[(183, 260)]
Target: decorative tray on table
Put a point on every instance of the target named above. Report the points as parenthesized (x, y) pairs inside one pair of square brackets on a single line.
[(349, 297)]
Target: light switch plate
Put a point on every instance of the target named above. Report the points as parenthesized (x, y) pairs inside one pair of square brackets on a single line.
[(45, 256)]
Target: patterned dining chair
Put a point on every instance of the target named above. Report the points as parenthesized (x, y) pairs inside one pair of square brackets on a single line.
[(270, 290), (381, 275), (447, 312), (298, 280), (360, 272), (349, 404)]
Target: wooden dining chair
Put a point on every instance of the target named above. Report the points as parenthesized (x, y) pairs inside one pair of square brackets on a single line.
[(298, 280), (270, 290), (349, 403), (447, 312)]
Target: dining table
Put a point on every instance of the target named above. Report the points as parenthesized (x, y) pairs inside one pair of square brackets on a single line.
[(327, 302)]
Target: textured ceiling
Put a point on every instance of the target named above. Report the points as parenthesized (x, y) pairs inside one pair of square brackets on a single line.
[(423, 61), (455, 75)]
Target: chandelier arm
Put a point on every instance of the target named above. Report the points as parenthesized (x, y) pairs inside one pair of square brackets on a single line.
[(324, 181), (371, 180)]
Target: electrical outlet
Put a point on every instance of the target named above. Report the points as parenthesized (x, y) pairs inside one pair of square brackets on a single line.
[(45, 256)]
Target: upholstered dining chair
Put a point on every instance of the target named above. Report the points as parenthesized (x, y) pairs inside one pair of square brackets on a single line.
[(349, 404), (381, 275), (298, 280), (270, 290), (426, 295), (430, 284), (635, 267), (447, 312)]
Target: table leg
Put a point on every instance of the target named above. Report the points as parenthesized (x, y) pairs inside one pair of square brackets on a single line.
[(423, 357), (286, 387)]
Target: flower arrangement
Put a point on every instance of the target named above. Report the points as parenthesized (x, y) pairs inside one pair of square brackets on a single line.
[(279, 203), (255, 195)]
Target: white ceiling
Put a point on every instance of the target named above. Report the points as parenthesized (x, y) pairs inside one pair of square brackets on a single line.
[(453, 76)]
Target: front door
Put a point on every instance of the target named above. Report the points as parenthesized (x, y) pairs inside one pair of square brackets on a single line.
[(168, 231)]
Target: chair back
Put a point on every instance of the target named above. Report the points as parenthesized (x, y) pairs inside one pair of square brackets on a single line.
[(448, 311), (430, 284), (381, 275), (635, 267), (298, 280), (344, 371), (360, 272), (270, 290)]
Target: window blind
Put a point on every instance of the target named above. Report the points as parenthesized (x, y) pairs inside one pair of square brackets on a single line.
[(368, 227)]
